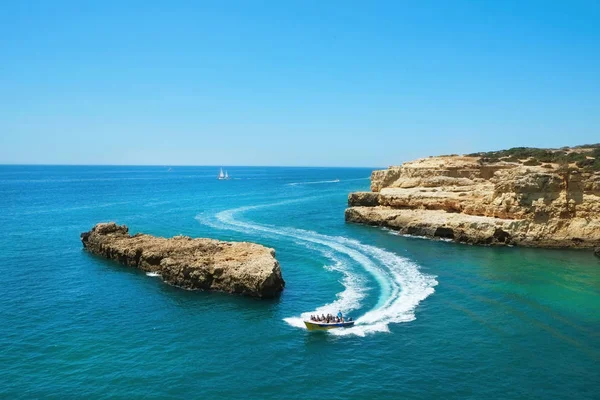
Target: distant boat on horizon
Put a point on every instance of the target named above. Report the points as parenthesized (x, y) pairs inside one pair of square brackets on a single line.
[(222, 176)]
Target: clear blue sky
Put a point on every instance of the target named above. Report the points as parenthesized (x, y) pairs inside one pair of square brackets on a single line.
[(293, 82)]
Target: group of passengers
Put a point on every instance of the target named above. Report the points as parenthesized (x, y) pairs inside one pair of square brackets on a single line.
[(329, 318)]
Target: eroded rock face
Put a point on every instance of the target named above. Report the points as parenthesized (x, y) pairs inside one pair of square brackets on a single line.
[(367, 199), (194, 264), (597, 251), (466, 199)]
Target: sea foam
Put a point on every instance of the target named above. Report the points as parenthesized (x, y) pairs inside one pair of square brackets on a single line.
[(402, 286)]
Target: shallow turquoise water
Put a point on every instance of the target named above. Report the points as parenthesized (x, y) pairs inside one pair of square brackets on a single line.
[(436, 319)]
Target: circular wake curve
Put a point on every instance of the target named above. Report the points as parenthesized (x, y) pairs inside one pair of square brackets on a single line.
[(402, 285)]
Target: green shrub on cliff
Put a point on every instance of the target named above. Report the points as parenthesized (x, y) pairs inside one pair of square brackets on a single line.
[(533, 156)]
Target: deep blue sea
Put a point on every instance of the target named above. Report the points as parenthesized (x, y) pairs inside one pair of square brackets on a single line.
[(436, 320)]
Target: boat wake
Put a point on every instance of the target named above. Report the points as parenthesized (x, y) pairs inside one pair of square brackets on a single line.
[(401, 285)]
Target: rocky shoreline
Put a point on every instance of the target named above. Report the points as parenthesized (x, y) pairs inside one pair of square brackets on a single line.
[(485, 200), (194, 264)]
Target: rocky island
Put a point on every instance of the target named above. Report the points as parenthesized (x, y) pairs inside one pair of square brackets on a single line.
[(521, 196), (194, 264)]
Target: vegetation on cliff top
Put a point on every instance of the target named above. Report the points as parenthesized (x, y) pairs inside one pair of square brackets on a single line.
[(586, 157)]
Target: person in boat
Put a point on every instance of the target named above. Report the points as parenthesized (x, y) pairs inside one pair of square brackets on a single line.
[(340, 315), (322, 317)]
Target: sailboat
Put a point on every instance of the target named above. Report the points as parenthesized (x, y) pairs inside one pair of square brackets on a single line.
[(223, 176)]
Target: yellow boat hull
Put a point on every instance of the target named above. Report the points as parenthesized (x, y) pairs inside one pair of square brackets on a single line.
[(323, 326)]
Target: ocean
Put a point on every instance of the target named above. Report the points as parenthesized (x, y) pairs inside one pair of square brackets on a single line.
[(435, 320)]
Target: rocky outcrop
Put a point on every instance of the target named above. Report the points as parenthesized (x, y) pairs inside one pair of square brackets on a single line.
[(476, 200), (366, 199), (597, 251), (194, 264)]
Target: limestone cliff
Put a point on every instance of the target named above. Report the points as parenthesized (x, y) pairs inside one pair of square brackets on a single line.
[(529, 197), (195, 264)]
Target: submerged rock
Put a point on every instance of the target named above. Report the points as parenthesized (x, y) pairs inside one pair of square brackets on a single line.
[(194, 264), (499, 200), (597, 251)]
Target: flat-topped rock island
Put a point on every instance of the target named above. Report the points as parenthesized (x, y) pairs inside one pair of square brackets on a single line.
[(191, 263), (520, 196)]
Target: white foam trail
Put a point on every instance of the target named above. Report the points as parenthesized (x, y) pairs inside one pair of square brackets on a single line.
[(296, 322), (412, 288), (328, 181), (153, 274), (354, 287), (402, 285), (403, 289)]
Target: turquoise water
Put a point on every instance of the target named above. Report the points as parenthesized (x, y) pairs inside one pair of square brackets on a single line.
[(435, 319)]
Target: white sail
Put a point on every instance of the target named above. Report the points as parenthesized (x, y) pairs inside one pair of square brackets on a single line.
[(226, 175), (221, 176)]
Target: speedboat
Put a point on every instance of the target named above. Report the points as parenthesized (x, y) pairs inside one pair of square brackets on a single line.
[(323, 326)]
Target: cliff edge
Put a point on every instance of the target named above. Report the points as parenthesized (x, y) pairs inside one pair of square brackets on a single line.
[(194, 264), (521, 196)]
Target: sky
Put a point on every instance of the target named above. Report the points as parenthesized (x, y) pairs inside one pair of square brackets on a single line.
[(298, 83)]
